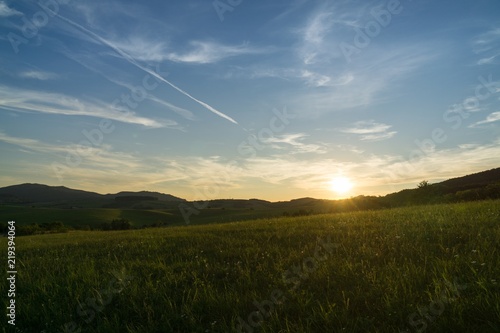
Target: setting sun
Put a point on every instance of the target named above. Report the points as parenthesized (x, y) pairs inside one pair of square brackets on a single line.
[(341, 185)]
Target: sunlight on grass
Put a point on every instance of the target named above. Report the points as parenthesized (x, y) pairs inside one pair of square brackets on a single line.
[(387, 268)]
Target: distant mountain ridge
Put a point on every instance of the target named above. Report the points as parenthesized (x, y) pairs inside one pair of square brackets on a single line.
[(157, 195), (43, 193), (39, 193), (464, 186)]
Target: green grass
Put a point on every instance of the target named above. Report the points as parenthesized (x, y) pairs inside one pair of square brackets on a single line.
[(92, 217), (385, 266)]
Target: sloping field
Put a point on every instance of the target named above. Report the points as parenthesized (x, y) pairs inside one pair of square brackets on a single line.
[(92, 217), (420, 269)]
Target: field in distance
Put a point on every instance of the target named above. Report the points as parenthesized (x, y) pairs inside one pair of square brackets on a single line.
[(427, 268)]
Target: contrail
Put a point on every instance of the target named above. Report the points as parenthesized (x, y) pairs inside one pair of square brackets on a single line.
[(131, 60)]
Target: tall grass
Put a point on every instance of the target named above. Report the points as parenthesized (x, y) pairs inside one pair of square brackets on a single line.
[(433, 269)]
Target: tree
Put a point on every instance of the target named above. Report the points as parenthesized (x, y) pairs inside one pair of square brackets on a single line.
[(423, 184)]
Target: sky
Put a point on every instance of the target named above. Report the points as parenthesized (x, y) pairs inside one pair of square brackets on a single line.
[(207, 99)]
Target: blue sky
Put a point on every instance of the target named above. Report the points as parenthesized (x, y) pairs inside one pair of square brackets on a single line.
[(245, 99)]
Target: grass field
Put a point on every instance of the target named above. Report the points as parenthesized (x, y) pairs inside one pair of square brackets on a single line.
[(419, 269), (94, 217)]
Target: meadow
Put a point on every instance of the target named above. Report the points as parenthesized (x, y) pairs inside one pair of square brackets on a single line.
[(429, 268)]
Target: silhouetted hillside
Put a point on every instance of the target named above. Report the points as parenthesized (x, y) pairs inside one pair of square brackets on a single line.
[(478, 186), (37, 193), (157, 195), (44, 194), (480, 179)]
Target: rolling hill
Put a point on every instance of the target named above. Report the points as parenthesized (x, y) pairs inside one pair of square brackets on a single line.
[(44, 194), (35, 203)]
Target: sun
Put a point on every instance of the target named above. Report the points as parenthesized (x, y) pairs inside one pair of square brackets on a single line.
[(341, 185)]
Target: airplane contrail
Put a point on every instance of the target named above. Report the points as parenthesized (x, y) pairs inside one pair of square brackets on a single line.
[(131, 60)]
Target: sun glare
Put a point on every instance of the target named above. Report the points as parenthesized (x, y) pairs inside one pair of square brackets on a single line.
[(341, 185)]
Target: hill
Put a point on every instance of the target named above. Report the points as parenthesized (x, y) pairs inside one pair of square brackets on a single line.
[(38, 194), (478, 186), (138, 195), (476, 180), (75, 207)]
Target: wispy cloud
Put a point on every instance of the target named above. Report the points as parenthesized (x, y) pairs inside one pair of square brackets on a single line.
[(141, 48), (488, 45), (487, 41), (124, 55), (177, 109), (118, 77), (6, 11), (51, 103), (101, 156), (365, 83), (374, 174), (488, 60), (370, 130), (30, 144), (210, 52), (295, 142), (320, 35), (99, 165), (491, 118), (313, 35), (38, 75), (315, 79)]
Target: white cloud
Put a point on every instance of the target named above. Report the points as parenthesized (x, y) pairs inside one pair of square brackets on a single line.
[(323, 31), (378, 136), (211, 52), (315, 79), (313, 35), (486, 41), (488, 45), (308, 77), (488, 60), (363, 83), (131, 60), (51, 103), (38, 75), (366, 127), (295, 141), (117, 77), (370, 131), (28, 143), (143, 49), (6, 11), (92, 156), (493, 117), (98, 165), (198, 52)]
